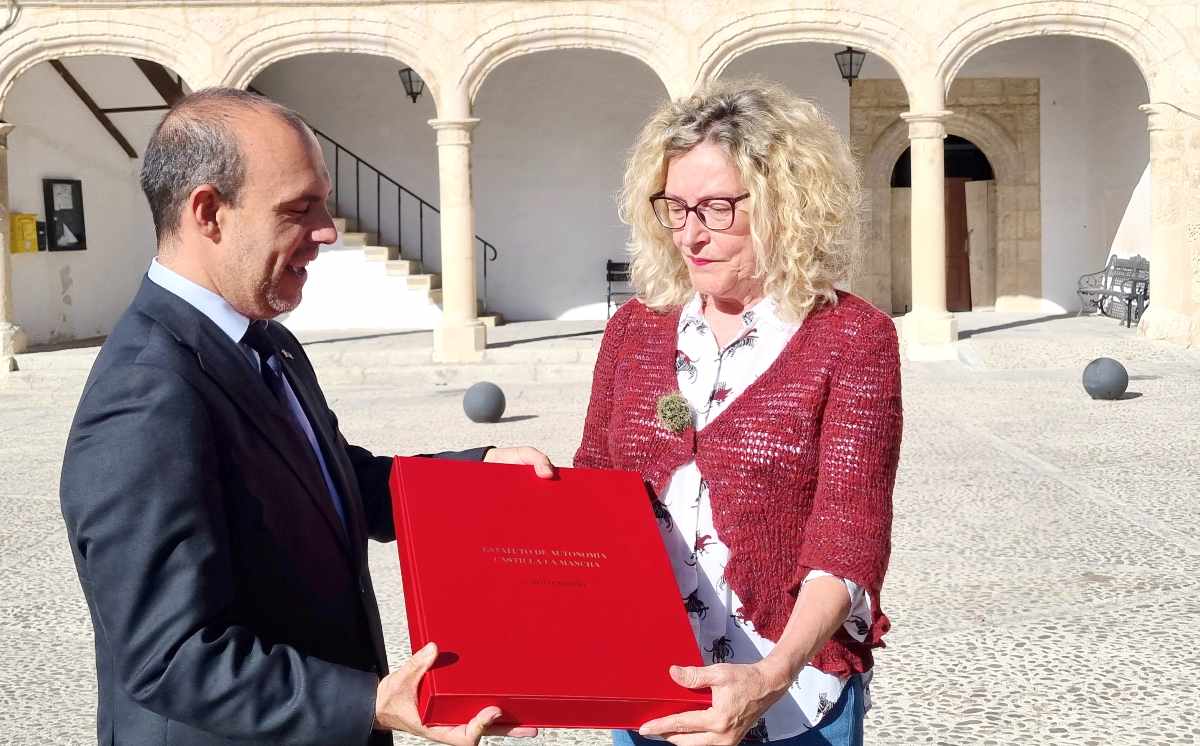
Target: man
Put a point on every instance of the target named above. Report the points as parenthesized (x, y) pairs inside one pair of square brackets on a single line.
[(217, 517)]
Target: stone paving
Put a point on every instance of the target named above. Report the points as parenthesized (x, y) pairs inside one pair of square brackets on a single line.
[(1045, 577)]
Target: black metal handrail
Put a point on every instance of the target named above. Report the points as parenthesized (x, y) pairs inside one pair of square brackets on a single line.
[(488, 250), (487, 247)]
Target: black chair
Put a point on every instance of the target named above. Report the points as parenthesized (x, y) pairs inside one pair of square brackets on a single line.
[(617, 275)]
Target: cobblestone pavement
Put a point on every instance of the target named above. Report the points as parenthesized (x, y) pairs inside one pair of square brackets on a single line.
[(1045, 577)]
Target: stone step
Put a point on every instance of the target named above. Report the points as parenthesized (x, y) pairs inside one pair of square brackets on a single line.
[(395, 266), (59, 360), (436, 296), (356, 238), (424, 282), (381, 253), (403, 267)]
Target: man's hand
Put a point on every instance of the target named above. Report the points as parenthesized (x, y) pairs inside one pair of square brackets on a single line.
[(522, 455), (741, 693), (396, 708)]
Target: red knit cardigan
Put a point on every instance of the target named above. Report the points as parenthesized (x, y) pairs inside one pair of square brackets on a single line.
[(800, 467)]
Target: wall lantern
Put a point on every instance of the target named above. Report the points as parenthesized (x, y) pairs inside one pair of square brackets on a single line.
[(413, 85), (849, 62)]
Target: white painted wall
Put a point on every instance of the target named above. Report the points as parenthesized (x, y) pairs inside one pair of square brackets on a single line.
[(1094, 151), (807, 69), (1119, 154), (59, 296), (550, 152), (359, 101)]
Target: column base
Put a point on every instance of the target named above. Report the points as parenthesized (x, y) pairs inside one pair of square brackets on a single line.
[(459, 344), (12, 340), (1170, 326), (930, 336)]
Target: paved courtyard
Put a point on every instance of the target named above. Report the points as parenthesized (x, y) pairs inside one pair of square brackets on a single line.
[(1045, 577)]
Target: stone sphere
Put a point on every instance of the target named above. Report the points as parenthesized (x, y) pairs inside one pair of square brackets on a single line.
[(484, 402), (1105, 378)]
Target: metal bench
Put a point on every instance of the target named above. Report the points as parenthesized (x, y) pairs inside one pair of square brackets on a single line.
[(1121, 290), (617, 275)]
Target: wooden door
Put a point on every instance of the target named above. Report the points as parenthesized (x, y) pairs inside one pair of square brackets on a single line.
[(958, 262)]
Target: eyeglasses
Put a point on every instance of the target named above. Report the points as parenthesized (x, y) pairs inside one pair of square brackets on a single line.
[(716, 213)]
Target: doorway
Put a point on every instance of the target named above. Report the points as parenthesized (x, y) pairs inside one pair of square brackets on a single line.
[(970, 224)]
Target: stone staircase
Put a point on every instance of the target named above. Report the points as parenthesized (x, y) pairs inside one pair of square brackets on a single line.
[(388, 292), (430, 284)]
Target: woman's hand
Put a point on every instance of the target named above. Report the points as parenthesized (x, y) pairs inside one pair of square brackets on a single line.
[(741, 693)]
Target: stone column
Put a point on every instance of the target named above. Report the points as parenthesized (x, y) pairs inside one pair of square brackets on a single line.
[(461, 337), (929, 330), (12, 339), (1171, 313)]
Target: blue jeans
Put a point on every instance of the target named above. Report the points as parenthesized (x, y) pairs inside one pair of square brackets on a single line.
[(841, 727)]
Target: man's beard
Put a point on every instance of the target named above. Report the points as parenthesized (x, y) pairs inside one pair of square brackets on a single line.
[(269, 291)]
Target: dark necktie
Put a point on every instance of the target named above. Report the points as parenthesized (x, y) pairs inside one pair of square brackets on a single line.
[(257, 339)]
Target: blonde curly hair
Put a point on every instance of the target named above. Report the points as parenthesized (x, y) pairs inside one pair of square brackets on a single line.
[(805, 192)]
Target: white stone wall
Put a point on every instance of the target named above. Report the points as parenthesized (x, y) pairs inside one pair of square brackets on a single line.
[(59, 296)]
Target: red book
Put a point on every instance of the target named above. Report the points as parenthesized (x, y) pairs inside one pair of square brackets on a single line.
[(551, 599)]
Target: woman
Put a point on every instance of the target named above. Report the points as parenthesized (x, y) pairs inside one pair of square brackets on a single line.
[(761, 405)]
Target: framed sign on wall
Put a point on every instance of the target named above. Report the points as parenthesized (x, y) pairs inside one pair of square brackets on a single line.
[(64, 215)]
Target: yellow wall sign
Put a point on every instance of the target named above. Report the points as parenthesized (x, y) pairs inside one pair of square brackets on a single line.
[(23, 232)]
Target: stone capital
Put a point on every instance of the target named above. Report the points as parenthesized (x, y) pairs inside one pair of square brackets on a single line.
[(5, 128), (453, 131), (926, 125)]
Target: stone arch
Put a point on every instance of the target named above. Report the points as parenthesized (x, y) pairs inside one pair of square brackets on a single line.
[(272, 43), (1144, 35), (1015, 189), (640, 38), (860, 28), (1001, 150), (173, 46)]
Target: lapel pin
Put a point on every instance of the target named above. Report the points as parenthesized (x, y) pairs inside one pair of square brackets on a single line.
[(287, 354)]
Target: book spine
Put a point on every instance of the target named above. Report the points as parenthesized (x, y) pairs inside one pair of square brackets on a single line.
[(417, 636)]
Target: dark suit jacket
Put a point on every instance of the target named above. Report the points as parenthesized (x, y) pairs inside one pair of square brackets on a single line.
[(227, 599)]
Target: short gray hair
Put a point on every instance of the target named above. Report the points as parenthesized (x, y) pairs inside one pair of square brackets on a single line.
[(196, 144)]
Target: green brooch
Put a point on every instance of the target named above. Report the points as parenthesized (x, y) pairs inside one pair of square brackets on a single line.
[(674, 412)]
